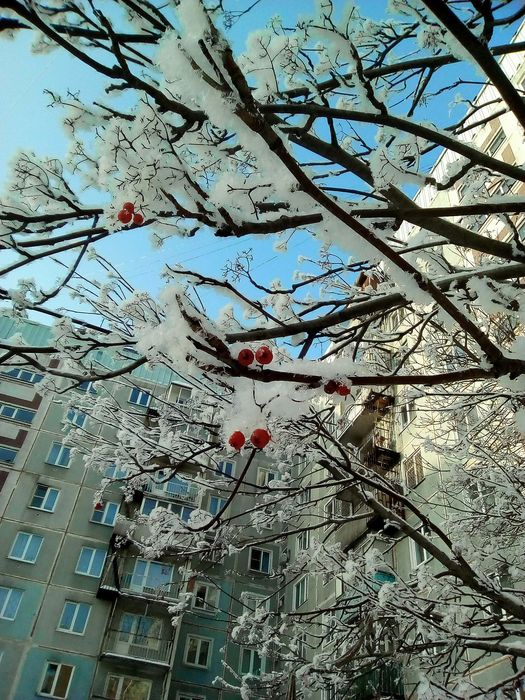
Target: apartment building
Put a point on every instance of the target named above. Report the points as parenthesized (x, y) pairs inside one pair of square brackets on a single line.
[(84, 613)]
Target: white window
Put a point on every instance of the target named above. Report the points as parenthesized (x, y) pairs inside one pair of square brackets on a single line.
[(76, 417), (303, 540), (255, 601), (329, 692), (226, 467), (26, 547), (264, 476), (407, 412), (332, 509), (419, 553), (87, 387), (260, 560), (21, 415), (149, 504), (180, 394), (300, 592), (56, 680), (140, 630), (105, 513), (139, 397), (90, 562), (23, 375), (127, 688), (74, 617), (44, 498), (112, 472), (495, 143), (9, 602), (328, 623), (413, 469), (205, 597), (59, 455), (7, 454), (251, 662), (151, 577), (197, 651), (216, 504)]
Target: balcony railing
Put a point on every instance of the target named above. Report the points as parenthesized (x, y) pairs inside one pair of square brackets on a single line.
[(382, 682), (146, 585), (180, 491), (120, 576), (136, 646)]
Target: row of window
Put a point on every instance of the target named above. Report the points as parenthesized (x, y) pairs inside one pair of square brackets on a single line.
[(27, 545)]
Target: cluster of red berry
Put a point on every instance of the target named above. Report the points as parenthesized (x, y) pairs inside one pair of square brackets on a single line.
[(333, 387), (263, 356), (259, 439), (127, 213)]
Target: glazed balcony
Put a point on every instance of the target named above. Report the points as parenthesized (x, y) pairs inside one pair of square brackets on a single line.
[(137, 647), (132, 576), (175, 489), (359, 420)]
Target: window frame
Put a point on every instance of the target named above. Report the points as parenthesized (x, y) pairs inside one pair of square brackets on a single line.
[(222, 472), (75, 417), (415, 469), (62, 449), (499, 139), (31, 535), (209, 606), (94, 550), (222, 503), (17, 409), (10, 374), (303, 541), (253, 654), (248, 596), (104, 512), (415, 548), (270, 560), (300, 584), (59, 666), (182, 695), (7, 600), (42, 508), (131, 678), (262, 476), (4, 450), (200, 639), (140, 393), (75, 616)]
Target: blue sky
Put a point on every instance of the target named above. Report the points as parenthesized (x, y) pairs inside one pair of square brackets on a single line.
[(28, 123)]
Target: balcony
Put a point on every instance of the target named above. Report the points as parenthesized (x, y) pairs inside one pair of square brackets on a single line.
[(137, 647), (134, 576), (176, 489), (382, 682), (370, 521), (368, 409)]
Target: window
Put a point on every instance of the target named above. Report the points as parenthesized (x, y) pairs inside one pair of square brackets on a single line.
[(184, 696), (149, 504), (105, 513), (255, 601), (21, 415), (216, 504), (76, 417), (413, 469), (56, 681), (332, 510), (419, 553), (87, 387), (23, 375), (26, 547), (329, 624), (44, 498), (205, 597), (495, 143), (260, 560), (9, 601), (251, 662), (226, 468), (90, 562), (112, 472), (264, 476), (59, 455), (303, 540), (74, 617), (407, 412), (151, 577), (140, 630), (127, 688), (300, 592), (329, 692), (197, 652), (180, 394), (7, 455), (139, 397)]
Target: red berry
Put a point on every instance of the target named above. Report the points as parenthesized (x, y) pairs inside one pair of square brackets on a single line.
[(237, 440), (343, 390), (129, 206), (264, 355), (260, 438), (125, 216), (245, 357), (330, 387)]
